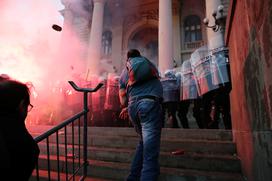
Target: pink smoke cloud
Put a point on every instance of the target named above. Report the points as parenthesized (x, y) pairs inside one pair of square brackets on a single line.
[(30, 51)]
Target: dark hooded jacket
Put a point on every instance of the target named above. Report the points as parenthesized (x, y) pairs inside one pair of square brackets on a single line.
[(19, 151)]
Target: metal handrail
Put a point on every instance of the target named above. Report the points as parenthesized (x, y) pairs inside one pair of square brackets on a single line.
[(64, 124), (85, 89), (58, 127)]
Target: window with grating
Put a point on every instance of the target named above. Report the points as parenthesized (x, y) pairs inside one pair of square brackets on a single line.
[(192, 29), (106, 43)]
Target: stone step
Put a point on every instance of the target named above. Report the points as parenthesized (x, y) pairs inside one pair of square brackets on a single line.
[(208, 154), (43, 176), (118, 171), (189, 145), (188, 160), (167, 133)]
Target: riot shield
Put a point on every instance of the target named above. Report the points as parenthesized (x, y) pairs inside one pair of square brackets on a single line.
[(179, 80), (177, 71), (171, 90), (220, 67), (98, 97), (201, 67), (112, 102), (189, 86), (179, 83)]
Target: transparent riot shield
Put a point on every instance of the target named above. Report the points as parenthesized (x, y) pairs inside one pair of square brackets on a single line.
[(177, 71), (201, 67), (112, 102), (171, 89), (179, 83), (220, 67), (189, 86), (178, 76), (98, 97)]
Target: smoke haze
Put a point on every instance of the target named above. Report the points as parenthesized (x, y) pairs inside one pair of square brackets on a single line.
[(30, 51)]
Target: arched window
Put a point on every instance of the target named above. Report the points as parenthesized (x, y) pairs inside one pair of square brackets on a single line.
[(106, 43), (192, 28)]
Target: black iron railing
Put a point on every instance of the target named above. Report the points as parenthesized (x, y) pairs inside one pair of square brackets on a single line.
[(79, 165)]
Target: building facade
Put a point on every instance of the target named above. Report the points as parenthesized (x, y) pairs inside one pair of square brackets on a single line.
[(165, 31)]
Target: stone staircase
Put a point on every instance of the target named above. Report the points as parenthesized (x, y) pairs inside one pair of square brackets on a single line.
[(209, 155)]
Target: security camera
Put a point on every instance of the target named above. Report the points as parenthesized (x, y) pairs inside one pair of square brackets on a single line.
[(220, 8), (206, 21), (214, 13)]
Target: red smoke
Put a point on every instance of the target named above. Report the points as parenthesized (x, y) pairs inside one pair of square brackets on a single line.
[(31, 51)]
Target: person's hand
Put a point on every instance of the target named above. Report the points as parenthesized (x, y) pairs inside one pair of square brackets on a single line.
[(124, 113)]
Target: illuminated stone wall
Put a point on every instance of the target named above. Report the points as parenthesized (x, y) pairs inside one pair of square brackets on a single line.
[(249, 37)]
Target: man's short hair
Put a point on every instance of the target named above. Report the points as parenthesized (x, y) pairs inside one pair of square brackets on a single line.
[(133, 53), (12, 92)]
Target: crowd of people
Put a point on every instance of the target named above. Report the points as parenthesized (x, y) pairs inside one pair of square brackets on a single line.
[(183, 103), (145, 98), (141, 97), (208, 110), (203, 84)]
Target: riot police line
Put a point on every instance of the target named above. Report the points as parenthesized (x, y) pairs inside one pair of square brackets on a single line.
[(105, 103), (204, 81)]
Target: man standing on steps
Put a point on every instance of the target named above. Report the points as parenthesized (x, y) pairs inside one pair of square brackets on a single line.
[(140, 95)]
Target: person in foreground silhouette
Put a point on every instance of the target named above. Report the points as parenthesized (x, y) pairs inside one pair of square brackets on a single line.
[(140, 95), (18, 150)]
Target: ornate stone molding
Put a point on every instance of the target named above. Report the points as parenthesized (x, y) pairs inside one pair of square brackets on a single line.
[(150, 14), (142, 16)]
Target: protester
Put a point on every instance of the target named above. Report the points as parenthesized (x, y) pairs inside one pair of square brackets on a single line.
[(19, 151), (140, 95)]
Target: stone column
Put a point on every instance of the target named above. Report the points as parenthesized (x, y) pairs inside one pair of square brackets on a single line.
[(176, 33), (67, 36), (96, 37), (68, 19), (117, 39), (215, 39), (165, 36)]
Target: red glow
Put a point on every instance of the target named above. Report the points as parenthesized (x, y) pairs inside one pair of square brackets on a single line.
[(31, 51)]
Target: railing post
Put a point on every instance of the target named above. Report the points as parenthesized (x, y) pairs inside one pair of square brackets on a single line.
[(85, 134), (85, 126), (55, 129)]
